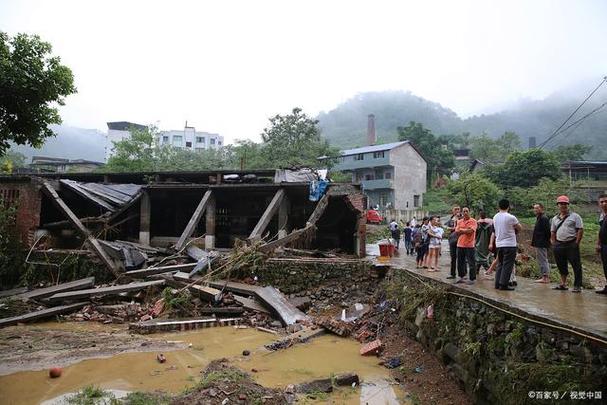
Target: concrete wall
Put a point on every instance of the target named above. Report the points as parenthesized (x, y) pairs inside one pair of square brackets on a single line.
[(410, 172), (114, 135), (499, 357)]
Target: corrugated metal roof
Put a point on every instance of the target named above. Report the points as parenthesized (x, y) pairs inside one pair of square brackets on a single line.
[(373, 148)]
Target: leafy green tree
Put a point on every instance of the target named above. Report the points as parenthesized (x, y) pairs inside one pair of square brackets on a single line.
[(435, 150), (489, 150), (571, 152), (11, 160), (525, 169), (545, 192), (294, 140), (248, 155), (475, 191), (31, 82), (138, 153)]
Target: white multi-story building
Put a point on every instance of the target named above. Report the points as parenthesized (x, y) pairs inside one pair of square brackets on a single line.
[(190, 139), (117, 131)]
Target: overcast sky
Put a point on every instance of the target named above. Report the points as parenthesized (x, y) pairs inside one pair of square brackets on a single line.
[(226, 66)]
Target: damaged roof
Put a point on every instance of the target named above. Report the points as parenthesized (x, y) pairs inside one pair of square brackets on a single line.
[(109, 196)]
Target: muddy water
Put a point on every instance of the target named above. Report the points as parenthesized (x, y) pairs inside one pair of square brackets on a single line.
[(320, 358)]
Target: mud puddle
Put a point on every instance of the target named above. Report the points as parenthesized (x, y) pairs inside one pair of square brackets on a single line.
[(137, 371)]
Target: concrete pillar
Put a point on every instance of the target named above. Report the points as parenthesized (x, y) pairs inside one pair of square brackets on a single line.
[(209, 238), (144, 218), (283, 217)]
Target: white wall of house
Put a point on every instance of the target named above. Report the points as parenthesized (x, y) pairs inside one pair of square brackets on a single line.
[(114, 135), (410, 172)]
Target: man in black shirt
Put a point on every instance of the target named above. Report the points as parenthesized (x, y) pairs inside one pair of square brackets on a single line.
[(451, 223), (601, 244), (541, 242)]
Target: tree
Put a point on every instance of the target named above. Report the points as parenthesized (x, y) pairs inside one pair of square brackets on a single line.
[(294, 140), (571, 152), (475, 191), (31, 82), (489, 150), (525, 169), (435, 150), (138, 153), (11, 160)]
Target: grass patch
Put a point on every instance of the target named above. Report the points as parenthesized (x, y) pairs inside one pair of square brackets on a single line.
[(147, 398), (228, 375), (91, 395)]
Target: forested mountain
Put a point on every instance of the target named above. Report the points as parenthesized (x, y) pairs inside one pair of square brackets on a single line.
[(70, 143), (346, 125)]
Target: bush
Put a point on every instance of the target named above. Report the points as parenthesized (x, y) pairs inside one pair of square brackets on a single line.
[(12, 257)]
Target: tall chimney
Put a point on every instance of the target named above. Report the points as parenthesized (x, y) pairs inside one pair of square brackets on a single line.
[(532, 142), (371, 130)]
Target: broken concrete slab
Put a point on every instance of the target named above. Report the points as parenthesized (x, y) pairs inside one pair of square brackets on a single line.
[(14, 291), (44, 313), (251, 303), (153, 326), (286, 311), (239, 288), (322, 385), (302, 336), (206, 293), (159, 270), (39, 293), (99, 292)]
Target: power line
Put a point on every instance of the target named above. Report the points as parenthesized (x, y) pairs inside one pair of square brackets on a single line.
[(556, 132), (578, 122)]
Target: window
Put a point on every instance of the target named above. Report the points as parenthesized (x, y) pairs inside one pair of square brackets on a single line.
[(188, 144), (388, 175), (200, 139), (378, 155), (219, 143), (178, 141), (360, 156), (212, 141), (379, 176), (165, 139), (199, 149), (416, 200), (368, 177)]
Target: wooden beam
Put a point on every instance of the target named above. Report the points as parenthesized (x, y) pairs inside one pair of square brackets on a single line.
[(92, 241), (159, 270), (271, 209), (319, 210), (193, 223), (283, 217), (206, 293), (14, 291), (99, 292), (44, 313), (48, 291), (293, 236)]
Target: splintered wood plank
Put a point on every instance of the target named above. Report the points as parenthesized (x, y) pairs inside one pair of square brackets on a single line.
[(48, 291), (44, 313), (193, 223), (98, 292), (264, 221)]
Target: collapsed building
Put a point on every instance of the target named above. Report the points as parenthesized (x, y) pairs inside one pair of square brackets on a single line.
[(170, 208)]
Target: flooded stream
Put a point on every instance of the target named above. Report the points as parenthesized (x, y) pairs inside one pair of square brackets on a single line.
[(139, 371)]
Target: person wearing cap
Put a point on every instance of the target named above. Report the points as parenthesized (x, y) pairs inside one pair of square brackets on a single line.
[(601, 243), (566, 232)]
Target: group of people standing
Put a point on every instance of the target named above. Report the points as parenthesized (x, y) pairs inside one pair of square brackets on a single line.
[(474, 242)]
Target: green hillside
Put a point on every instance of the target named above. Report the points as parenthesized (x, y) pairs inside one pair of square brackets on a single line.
[(346, 125)]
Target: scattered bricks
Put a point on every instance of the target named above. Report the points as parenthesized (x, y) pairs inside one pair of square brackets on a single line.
[(336, 326), (371, 348), (158, 308)]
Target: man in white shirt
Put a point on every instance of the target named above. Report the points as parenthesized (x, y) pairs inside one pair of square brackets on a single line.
[(506, 227)]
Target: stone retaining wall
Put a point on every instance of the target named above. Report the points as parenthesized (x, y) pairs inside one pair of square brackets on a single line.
[(498, 357), (295, 277)]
